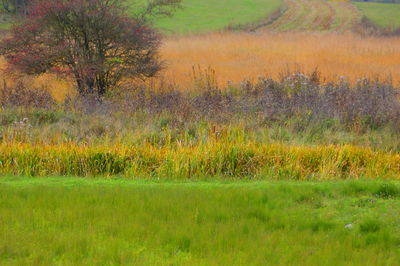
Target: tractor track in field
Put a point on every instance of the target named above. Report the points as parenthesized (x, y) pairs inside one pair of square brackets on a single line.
[(315, 15), (349, 16)]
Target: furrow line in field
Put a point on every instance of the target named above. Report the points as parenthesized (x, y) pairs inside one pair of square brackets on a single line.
[(349, 16), (292, 11), (296, 21), (315, 15)]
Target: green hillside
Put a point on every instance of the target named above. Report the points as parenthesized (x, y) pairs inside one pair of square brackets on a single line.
[(382, 14), (199, 16), (208, 15)]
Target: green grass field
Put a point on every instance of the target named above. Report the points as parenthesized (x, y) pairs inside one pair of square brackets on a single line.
[(382, 14), (70, 221), (199, 16)]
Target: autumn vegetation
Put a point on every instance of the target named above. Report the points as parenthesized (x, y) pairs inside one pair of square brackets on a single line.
[(93, 41), (82, 78), (199, 132)]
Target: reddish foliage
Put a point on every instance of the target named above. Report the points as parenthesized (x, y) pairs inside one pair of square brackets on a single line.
[(91, 40)]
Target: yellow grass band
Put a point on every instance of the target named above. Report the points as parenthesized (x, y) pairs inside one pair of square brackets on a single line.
[(209, 160)]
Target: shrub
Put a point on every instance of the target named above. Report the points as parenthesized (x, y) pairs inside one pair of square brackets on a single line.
[(22, 96), (371, 103)]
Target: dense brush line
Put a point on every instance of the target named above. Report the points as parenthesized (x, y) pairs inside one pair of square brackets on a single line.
[(371, 103)]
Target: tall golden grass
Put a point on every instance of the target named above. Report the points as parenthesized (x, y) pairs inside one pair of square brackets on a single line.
[(58, 86), (213, 159), (238, 56)]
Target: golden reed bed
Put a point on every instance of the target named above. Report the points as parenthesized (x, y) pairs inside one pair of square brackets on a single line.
[(239, 56), (222, 158)]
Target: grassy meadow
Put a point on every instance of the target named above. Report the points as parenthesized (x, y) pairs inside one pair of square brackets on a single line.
[(271, 137), (199, 16), (385, 15), (264, 15), (298, 127), (79, 221), (234, 57)]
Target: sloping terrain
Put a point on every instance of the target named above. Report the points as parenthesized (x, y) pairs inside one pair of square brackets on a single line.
[(199, 16), (381, 14), (315, 15)]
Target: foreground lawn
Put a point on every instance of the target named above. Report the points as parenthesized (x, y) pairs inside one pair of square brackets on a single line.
[(82, 221), (382, 14)]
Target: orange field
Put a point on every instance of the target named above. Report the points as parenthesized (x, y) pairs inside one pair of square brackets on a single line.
[(239, 56)]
